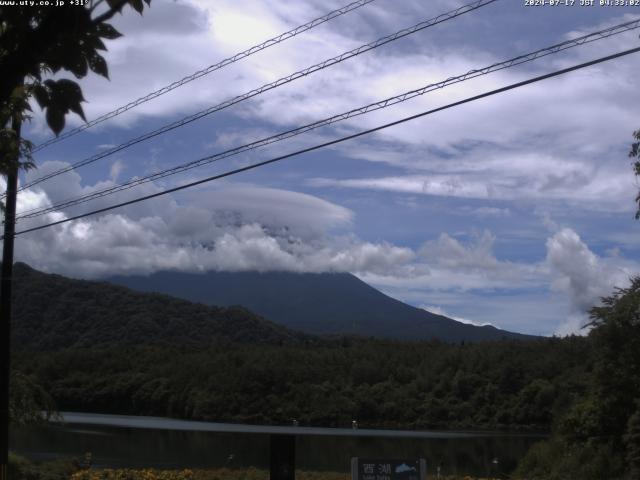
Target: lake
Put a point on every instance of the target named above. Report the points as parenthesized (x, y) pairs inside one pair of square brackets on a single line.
[(132, 441)]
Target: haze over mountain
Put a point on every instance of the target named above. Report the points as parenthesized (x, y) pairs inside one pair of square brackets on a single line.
[(317, 303)]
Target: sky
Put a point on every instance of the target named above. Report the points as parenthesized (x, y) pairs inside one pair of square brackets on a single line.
[(516, 210)]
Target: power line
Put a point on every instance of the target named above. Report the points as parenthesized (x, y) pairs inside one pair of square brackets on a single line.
[(206, 71), (339, 140), (599, 35), (270, 86)]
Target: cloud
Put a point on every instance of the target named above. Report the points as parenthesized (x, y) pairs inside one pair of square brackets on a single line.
[(302, 214), (582, 276), (115, 244), (490, 152), (492, 174), (233, 227), (440, 311), (449, 252), (486, 211), (556, 148), (448, 265), (116, 170)]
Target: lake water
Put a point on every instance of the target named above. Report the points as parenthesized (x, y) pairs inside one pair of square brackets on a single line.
[(130, 441)]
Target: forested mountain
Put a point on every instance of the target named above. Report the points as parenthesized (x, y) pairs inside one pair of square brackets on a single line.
[(53, 312), (325, 303), (100, 347), (381, 383)]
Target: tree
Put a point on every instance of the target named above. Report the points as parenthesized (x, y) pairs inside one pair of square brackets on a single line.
[(632, 444), (30, 403), (635, 153), (40, 40), (604, 426), (37, 41)]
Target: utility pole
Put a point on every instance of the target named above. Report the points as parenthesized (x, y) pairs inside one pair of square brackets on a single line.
[(5, 299)]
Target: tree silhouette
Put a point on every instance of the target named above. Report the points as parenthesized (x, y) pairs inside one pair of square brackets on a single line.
[(37, 41)]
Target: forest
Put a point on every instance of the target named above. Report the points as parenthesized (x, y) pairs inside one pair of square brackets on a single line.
[(505, 384), (154, 355)]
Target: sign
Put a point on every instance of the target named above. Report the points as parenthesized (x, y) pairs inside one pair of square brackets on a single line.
[(377, 469)]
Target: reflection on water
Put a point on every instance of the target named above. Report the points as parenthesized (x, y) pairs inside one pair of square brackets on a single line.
[(137, 447), (163, 443)]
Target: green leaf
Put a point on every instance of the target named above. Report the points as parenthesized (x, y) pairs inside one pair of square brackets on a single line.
[(68, 89), (75, 62), (137, 5), (41, 94), (115, 4), (96, 43), (65, 96), (98, 64), (77, 109), (55, 119), (105, 30), (70, 96)]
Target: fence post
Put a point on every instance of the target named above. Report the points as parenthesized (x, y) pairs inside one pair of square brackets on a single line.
[(283, 457)]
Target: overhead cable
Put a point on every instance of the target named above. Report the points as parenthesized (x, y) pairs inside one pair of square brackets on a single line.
[(206, 71), (599, 35), (336, 141), (269, 86)]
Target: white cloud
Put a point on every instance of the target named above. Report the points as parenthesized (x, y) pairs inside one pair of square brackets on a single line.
[(116, 170), (491, 174), (302, 214), (583, 276), (449, 252), (492, 151), (440, 311), (574, 324), (244, 227), (233, 227), (446, 264), (558, 146)]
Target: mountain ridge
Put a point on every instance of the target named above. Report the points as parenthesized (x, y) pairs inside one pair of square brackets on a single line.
[(314, 303), (51, 312)]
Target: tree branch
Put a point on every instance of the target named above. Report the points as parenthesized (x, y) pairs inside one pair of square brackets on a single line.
[(111, 12)]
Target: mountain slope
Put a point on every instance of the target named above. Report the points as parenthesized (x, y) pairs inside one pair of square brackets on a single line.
[(52, 312), (327, 303)]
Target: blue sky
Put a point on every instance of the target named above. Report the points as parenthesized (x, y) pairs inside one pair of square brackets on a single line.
[(516, 210)]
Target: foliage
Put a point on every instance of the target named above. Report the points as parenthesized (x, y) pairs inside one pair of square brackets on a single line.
[(69, 469), (130, 474), (13, 148), (325, 383), (21, 468), (29, 403), (557, 459), (632, 445), (214, 474), (37, 41), (603, 427), (99, 347), (635, 153), (52, 312)]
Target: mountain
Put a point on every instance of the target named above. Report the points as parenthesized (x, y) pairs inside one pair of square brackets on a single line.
[(52, 312), (317, 303)]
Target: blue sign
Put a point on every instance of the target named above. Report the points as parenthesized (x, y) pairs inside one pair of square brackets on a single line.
[(387, 469)]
